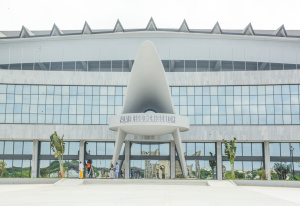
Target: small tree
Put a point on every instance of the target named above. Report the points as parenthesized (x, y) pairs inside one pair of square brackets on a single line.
[(212, 164), (2, 168), (58, 147), (230, 151), (282, 170)]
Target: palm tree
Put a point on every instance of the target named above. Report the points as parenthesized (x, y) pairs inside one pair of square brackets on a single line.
[(58, 147)]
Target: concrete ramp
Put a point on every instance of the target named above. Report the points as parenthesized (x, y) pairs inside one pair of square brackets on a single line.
[(69, 182)]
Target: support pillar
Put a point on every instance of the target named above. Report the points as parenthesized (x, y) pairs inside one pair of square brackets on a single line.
[(127, 159), (81, 152), (219, 161), (118, 145), (177, 140), (267, 159), (172, 159), (35, 158)]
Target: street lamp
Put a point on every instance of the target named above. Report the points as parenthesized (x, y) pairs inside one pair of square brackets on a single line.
[(291, 154)]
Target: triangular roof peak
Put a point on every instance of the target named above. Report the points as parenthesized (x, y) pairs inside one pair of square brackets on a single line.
[(118, 27), (25, 32), (281, 32), (248, 30), (86, 29), (55, 31), (216, 29), (151, 25), (184, 27)]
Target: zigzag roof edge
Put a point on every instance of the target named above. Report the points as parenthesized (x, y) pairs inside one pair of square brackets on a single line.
[(216, 29), (118, 27), (249, 30), (86, 28), (2, 35), (184, 27), (55, 31), (25, 32), (281, 32), (151, 26)]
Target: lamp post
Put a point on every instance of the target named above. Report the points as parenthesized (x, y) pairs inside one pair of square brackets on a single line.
[(291, 154)]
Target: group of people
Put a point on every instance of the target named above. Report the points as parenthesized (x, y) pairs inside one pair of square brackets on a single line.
[(114, 171)]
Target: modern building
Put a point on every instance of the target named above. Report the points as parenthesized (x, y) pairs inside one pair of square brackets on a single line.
[(229, 83)]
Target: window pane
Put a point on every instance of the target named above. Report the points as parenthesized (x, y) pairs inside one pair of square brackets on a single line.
[(274, 149), (257, 149), (18, 147), (136, 149), (110, 148), (8, 147), (246, 149), (91, 148), (210, 149), (100, 148), (190, 149), (74, 148), (164, 149)]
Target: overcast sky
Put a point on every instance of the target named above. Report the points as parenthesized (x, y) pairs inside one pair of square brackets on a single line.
[(103, 14)]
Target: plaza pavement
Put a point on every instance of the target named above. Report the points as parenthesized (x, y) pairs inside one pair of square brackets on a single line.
[(163, 194)]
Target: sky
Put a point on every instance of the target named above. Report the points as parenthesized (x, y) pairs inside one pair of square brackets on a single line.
[(103, 14)]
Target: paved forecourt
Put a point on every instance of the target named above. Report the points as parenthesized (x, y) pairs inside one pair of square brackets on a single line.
[(145, 194)]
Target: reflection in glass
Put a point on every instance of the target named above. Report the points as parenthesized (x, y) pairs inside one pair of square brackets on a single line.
[(17, 168), (91, 148)]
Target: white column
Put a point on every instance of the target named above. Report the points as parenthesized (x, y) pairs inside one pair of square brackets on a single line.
[(219, 161), (267, 159), (81, 151), (127, 159), (118, 145), (177, 140), (172, 159), (35, 159)]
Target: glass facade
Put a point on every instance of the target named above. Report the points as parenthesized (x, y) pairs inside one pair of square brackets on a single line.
[(49, 165), (248, 163), (212, 105), (200, 160), (99, 155), (284, 162), (169, 66), (243, 169), (150, 160), (17, 155)]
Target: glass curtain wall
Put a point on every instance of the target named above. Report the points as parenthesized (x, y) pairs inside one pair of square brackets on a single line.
[(99, 155), (284, 161), (150, 160), (211, 105), (49, 165), (249, 162), (17, 155), (200, 159)]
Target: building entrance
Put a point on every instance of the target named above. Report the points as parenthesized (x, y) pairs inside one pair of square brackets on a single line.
[(150, 160)]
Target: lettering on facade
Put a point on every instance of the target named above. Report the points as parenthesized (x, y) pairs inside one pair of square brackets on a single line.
[(148, 118)]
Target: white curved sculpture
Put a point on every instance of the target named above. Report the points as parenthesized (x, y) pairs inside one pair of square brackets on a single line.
[(148, 89)]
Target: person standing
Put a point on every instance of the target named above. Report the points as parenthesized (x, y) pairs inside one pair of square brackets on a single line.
[(112, 170), (132, 174), (81, 168), (117, 171)]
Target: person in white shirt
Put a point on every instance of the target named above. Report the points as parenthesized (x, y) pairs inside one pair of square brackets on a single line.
[(117, 171), (81, 168)]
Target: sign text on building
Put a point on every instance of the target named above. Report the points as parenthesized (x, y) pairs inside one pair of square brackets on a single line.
[(148, 118)]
